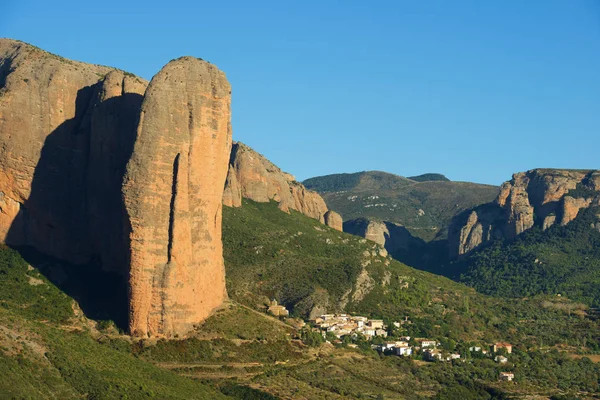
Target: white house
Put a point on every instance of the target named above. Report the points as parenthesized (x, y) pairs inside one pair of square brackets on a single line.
[(403, 350), (432, 355), (507, 376), (369, 332), (501, 359), (427, 343), (375, 323)]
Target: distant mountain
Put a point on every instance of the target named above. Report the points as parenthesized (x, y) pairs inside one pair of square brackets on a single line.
[(429, 177), (424, 204)]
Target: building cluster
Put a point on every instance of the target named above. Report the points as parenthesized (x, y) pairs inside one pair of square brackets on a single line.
[(343, 324), (398, 347), (428, 348)]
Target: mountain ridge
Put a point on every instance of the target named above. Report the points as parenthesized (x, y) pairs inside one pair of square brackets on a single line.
[(425, 208)]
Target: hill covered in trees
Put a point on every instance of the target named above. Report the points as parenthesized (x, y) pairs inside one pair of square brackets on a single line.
[(425, 204)]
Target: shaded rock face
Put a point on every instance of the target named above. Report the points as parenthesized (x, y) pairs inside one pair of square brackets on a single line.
[(254, 177), (393, 237), (472, 228), (67, 130), (537, 197), (232, 194), (374, 231), (102, 171), (334, 220), (173, 191)]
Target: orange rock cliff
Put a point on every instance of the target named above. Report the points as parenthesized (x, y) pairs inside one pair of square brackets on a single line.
[(254, 177), (540, 196), (98, 166)]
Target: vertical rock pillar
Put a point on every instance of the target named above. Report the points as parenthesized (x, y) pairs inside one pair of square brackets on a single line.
[(172, 192)]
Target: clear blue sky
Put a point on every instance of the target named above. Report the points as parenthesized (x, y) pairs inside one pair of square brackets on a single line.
[(476, 89)]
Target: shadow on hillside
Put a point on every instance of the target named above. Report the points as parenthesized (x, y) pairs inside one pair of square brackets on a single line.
[(73, 227), (101, 295), (414, 251)]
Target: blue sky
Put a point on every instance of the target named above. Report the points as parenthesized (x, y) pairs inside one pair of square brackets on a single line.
[(476, 89)]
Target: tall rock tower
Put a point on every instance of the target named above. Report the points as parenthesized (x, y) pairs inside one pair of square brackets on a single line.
[(172, 192)]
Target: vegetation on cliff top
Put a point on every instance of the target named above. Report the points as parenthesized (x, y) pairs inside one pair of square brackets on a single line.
[(429, 177)]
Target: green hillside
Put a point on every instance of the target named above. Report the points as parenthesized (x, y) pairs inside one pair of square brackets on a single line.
[(425, 205), (47, 350), (309, 267), (562, 260)]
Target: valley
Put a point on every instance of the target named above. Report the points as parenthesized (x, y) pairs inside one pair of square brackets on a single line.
[(145, 254)]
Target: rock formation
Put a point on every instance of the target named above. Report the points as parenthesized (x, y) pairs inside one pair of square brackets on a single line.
[(393, 237), (66, 133), (371, 230), (173, 191), (69, 131), (537, 197), (254, 177), (334, 220), (232, 194)]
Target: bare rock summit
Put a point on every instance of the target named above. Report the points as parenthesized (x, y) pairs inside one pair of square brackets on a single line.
[(173, 192)]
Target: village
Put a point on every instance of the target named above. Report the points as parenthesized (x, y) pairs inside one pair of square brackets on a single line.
[(340, 329), (342, 325)]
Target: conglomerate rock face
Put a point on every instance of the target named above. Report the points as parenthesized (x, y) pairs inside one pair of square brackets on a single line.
[(173, 191), (254, 177), (98, 168), (66, 133), (540, 196), (334, 220)]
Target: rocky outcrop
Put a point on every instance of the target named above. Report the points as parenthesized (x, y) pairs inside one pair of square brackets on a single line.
[(473, 228), (334, 220), (393, 237), (232, 194), (374, 231), (91, 176), (173, 192), (66, 133), (260, 180), (537, 197), (571, 208)]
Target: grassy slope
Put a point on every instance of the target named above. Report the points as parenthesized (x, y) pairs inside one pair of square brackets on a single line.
[(402, 199), (265, 257), (47, 353)]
